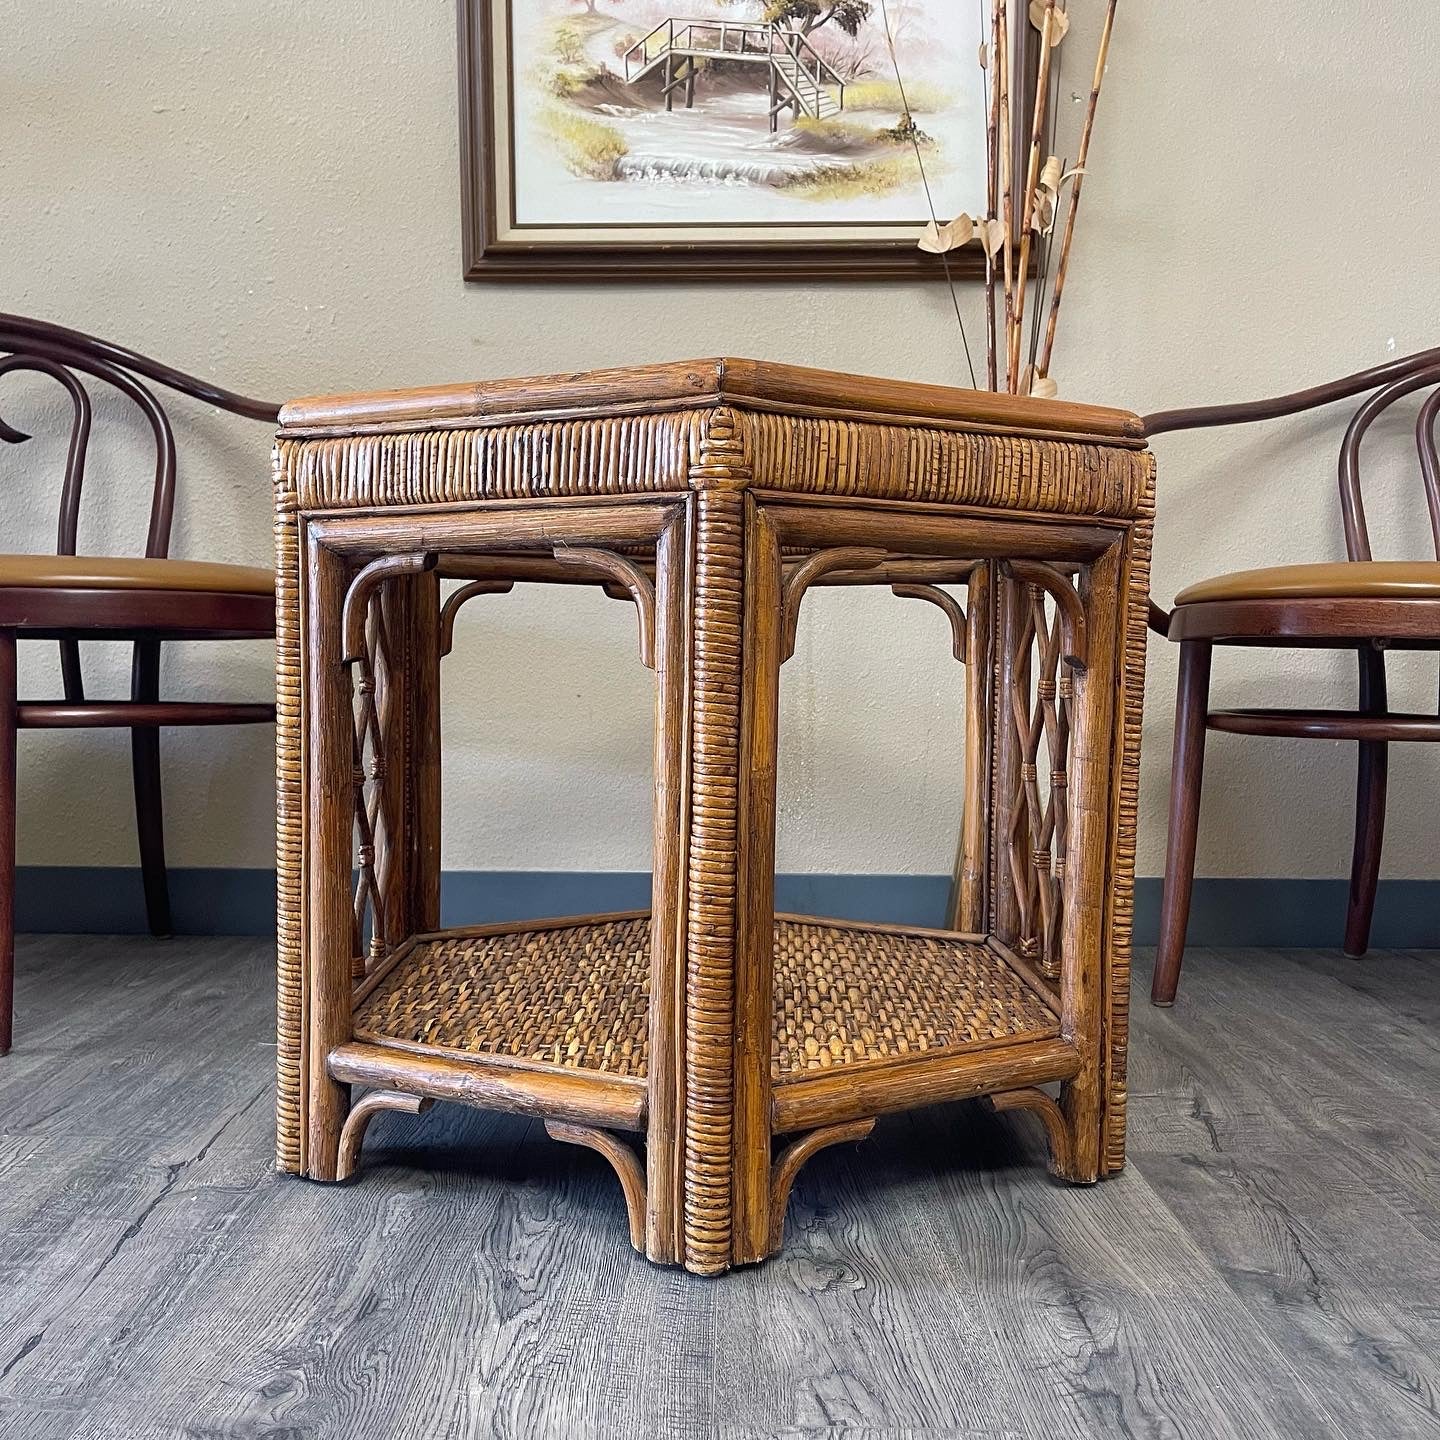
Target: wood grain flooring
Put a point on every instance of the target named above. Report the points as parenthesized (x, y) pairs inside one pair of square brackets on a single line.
[(1269, 1264)]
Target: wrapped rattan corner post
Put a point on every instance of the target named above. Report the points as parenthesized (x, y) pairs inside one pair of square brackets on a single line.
[(707, 1048)]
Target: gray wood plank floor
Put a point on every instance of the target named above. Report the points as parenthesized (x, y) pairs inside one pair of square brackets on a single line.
[(1269, 1264)]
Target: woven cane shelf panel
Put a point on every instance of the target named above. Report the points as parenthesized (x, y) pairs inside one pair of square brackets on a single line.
[(577, 996)]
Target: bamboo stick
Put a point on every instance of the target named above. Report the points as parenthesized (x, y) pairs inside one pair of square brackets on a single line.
[(1006, 170), (992, 191), (1032, 176), (1043, 365)]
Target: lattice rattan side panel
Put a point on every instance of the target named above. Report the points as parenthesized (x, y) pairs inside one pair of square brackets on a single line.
[(378, 697), (1036, 707)]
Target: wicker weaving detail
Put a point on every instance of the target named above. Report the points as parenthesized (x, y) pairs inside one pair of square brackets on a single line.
[(619, 455), (908, 462), (719, 449), (288, 806), (1127, 784), (648, 453), (577, 997), (713, 884), (846, 996)]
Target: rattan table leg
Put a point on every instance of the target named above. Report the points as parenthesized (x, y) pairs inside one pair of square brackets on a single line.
[(664, 1239), (1083, 928), (754, 1236), (712, 881), (329, 824), (421, 758)]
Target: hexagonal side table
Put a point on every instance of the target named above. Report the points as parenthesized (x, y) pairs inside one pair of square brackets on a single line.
[(708, 1047)]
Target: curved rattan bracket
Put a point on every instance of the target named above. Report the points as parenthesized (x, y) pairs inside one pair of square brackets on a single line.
[(1057, 1127), (794, 1155), (627, 574), (466, 592), (807, 572), (1074, 634), (357, 597), (943, 600), (624, 1161), (352, 1137)]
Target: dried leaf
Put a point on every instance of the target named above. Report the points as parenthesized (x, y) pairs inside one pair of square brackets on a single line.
[(1047, 196), (992, 236), (938, 239), (1059, 21), (1042, 222), (984, 56)]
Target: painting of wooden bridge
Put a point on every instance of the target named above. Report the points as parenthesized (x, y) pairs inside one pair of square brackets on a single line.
[(799, 80)]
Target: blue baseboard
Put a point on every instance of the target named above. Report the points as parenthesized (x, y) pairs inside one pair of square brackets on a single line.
[(104, 901)]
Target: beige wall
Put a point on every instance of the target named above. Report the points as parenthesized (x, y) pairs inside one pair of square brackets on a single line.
[(266, 193)]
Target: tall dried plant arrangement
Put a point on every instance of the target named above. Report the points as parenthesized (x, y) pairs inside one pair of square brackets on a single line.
[(1017, 232)]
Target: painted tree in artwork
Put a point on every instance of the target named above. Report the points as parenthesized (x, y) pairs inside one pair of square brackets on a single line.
[(809, 15), (806, 16)]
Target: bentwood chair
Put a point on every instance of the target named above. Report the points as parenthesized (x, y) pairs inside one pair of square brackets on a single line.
[(145, 601), (1360, 604)]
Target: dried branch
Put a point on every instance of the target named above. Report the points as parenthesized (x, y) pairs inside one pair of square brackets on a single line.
[(1006, 165), (1102, 56), (990, 60), (1027, 210)]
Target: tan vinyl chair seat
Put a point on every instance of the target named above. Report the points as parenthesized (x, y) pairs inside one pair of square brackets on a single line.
[(106, 572), (1342, 580)]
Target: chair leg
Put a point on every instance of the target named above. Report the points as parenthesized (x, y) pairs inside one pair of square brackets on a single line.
[(1191, 706), (7, 839), (149, 811), (1370, 783)]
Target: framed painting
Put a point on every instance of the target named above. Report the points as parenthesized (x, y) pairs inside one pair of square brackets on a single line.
[(703, 139)]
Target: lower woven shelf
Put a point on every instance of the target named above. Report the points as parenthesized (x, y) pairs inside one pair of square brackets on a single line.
[(576, 995)]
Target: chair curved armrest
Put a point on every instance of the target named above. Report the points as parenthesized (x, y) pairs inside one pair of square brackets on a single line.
[(56, 351), (1203, 417), (1158, 619), (24, 335)]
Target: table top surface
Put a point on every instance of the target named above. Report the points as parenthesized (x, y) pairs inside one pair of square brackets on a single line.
[(689, 384)]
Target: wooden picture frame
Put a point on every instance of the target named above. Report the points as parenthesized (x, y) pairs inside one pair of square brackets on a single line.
[(488, 255)]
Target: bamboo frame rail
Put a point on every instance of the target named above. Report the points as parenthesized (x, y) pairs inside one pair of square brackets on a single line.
[(732, 1043)]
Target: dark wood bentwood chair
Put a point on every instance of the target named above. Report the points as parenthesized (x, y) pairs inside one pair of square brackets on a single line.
[(1359, 604), (69, 598)]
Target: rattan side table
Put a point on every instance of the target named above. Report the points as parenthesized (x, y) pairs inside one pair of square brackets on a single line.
[(708, 1047)]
